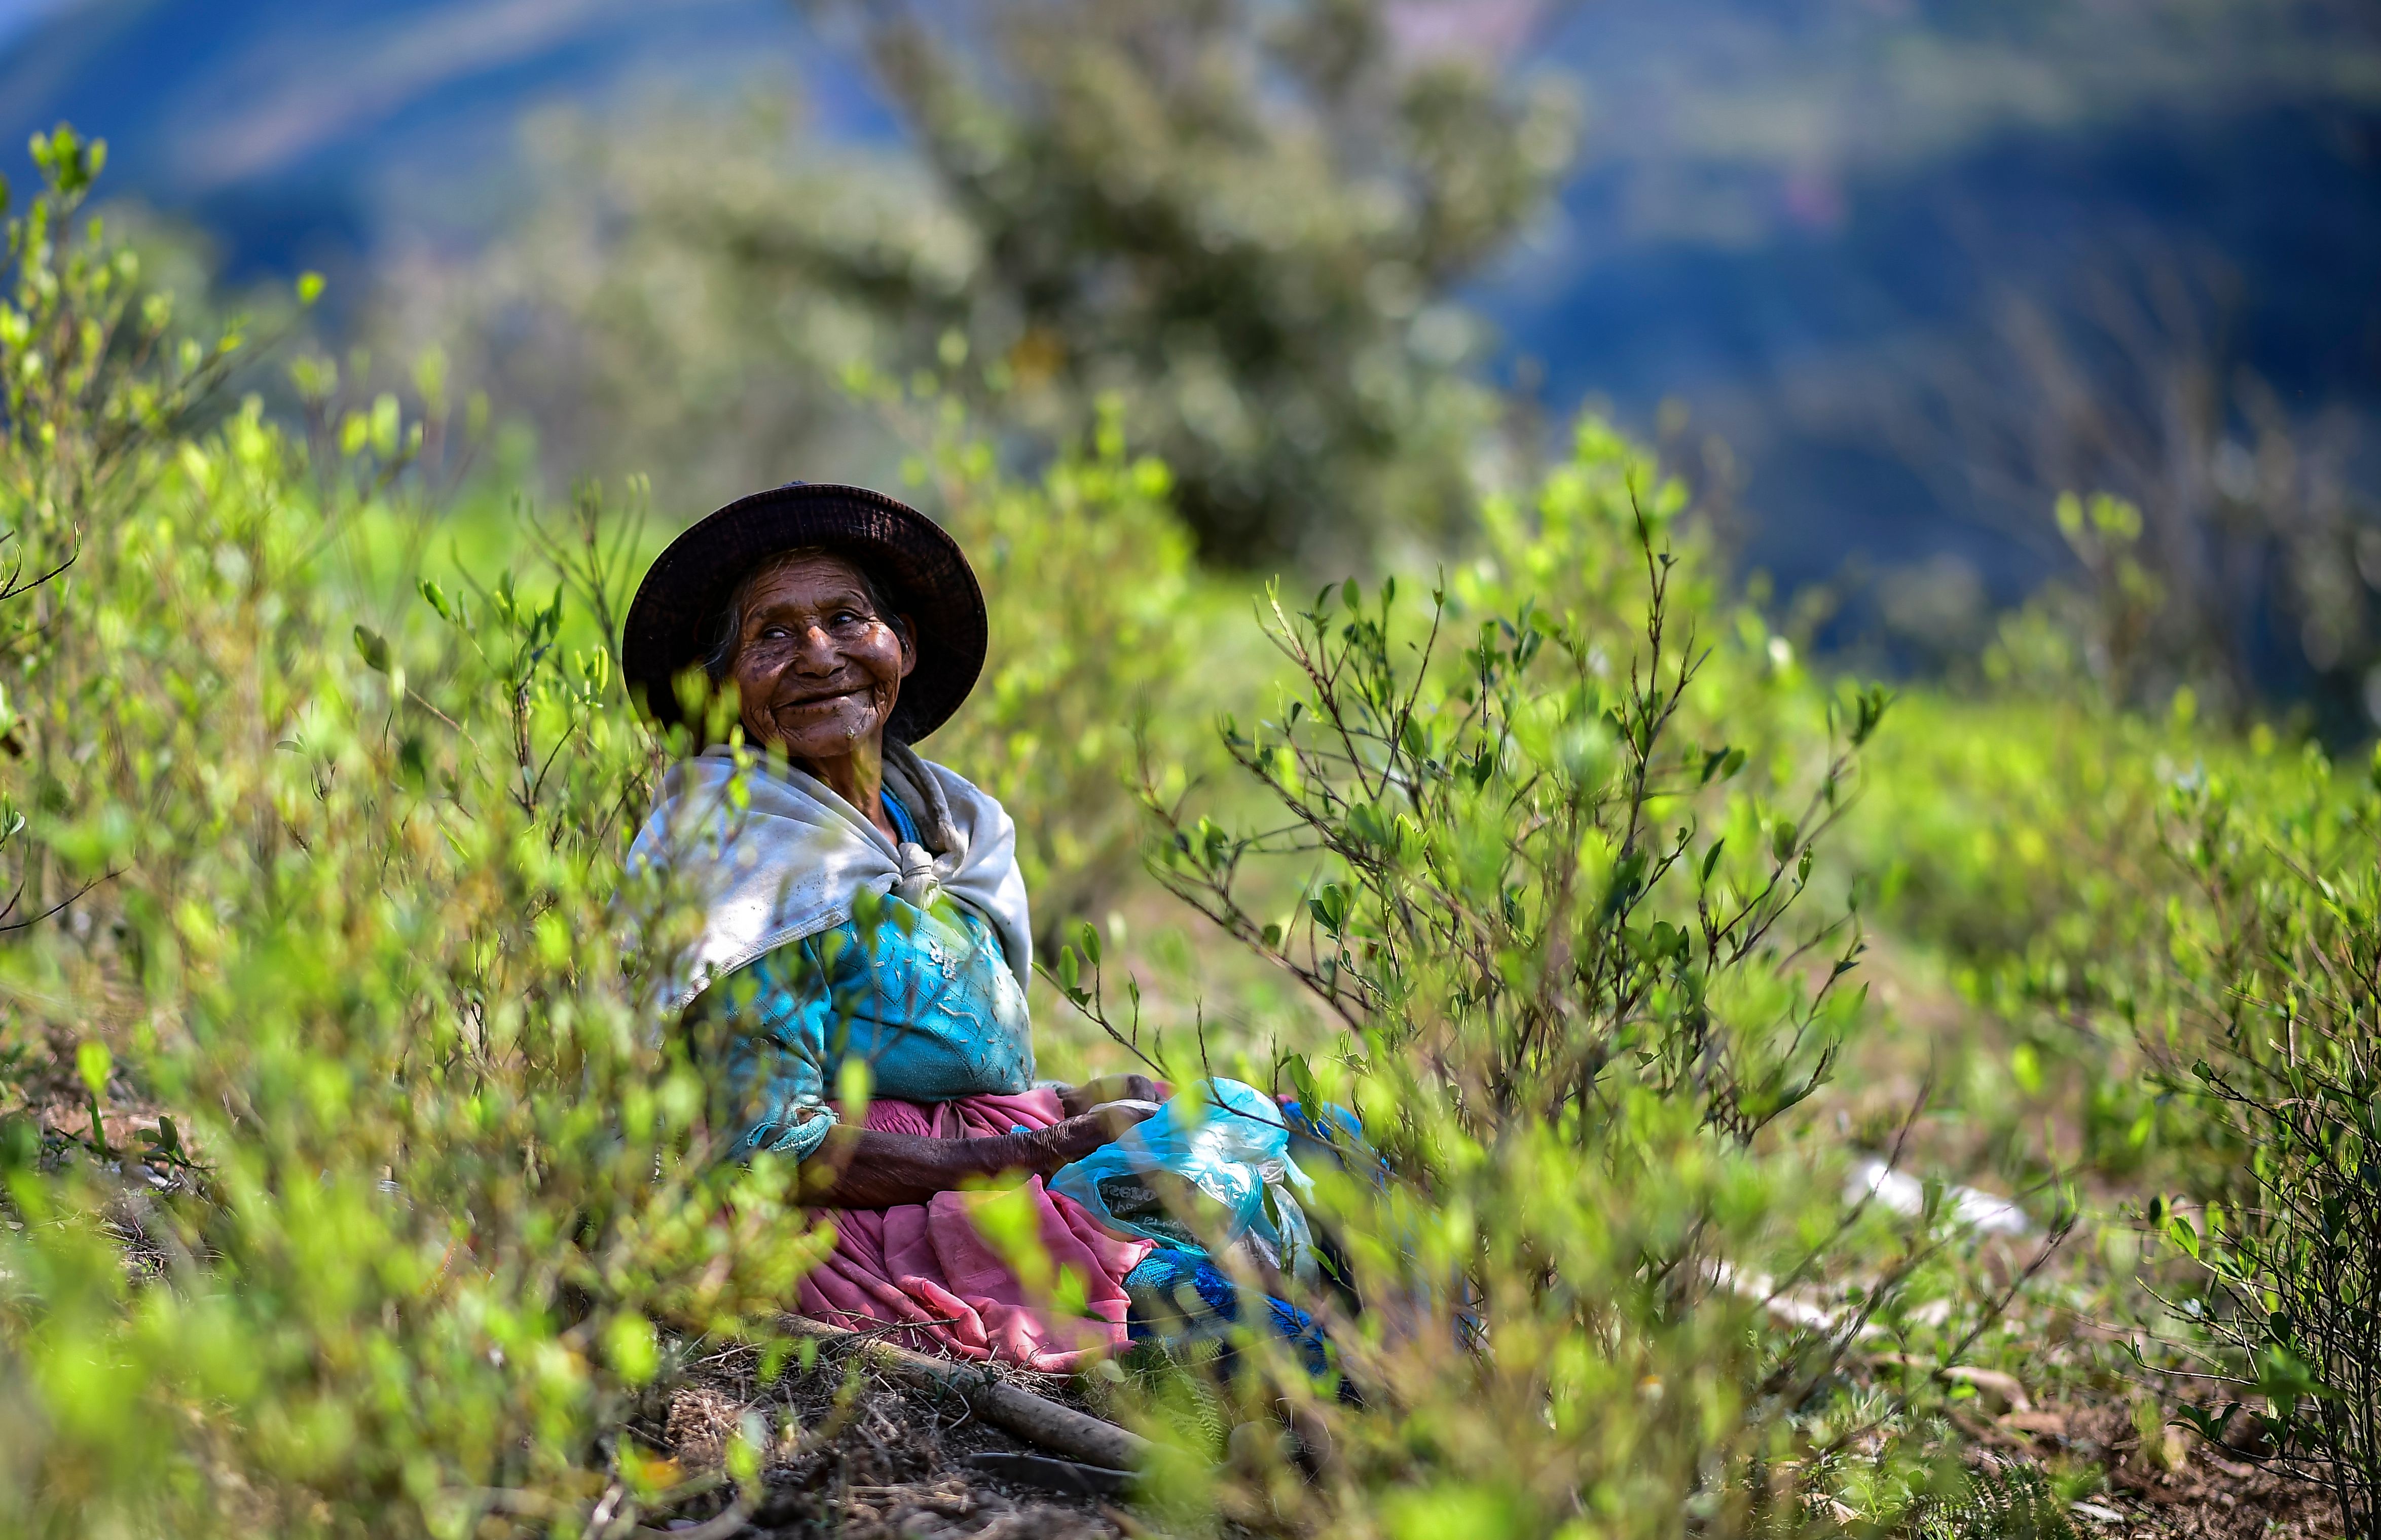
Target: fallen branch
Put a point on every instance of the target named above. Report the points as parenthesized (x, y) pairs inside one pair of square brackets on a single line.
[(730, 1520), (1037, 1419)]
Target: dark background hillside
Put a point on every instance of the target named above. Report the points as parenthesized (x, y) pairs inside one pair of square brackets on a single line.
[(1814, 230)]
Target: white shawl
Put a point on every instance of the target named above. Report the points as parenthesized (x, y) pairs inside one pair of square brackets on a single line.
[(772, 854)]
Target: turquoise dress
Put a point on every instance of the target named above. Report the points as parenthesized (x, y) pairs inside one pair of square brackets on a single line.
[(927, 1001)]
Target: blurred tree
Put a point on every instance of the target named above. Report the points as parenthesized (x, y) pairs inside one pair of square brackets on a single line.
[(2237, 549), (2219, 536), (1242, 221)]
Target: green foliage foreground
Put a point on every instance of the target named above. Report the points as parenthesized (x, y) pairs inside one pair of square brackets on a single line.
[(349, 1188)]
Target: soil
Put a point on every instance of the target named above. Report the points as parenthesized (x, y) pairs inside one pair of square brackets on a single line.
[(865, 1456), (2186, 1489)]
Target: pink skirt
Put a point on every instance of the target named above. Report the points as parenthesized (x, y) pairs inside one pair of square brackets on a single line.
[(931, 1269)]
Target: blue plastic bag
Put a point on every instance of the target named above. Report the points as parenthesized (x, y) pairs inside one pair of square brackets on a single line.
[(1227, 1140)]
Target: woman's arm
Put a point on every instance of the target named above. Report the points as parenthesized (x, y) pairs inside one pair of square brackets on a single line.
[(870, 1169)]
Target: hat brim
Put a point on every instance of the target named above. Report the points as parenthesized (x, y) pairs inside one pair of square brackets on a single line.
[(914, 561)]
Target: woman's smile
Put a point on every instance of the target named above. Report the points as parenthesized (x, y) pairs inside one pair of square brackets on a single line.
[(819, 670), (820, 702)]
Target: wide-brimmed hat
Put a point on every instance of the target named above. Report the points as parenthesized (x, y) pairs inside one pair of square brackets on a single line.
[(919, 569)]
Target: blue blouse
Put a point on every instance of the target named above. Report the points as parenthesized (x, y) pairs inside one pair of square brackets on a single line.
[(926, 999)]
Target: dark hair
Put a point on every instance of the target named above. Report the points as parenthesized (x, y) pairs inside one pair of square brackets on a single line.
[(728, 627)]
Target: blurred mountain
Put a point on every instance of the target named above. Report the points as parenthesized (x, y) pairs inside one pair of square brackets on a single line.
[(1800, 222), (296, 132), (1824, 227)]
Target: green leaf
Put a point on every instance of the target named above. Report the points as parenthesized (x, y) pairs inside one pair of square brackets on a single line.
[(21, 1143), (1302, 1081), (93, 1064), (372, 648), (632, 1346), (2283, 1375), (2208, 1424), (1868, 711)]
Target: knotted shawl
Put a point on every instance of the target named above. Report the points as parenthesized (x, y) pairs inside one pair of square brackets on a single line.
[(773, 854)]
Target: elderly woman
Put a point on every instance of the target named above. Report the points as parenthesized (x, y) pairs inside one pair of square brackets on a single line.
[(861, 905)]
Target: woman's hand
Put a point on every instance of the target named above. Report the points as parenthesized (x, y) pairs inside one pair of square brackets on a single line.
[(1043, 1151), (1077, 1100)]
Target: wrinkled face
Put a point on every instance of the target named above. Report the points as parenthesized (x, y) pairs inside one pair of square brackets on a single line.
[(817, 669)]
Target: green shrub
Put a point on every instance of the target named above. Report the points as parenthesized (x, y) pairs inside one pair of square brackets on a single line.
[(2272, 1037), (1553, 911), (346, 950), (2002, 1503), (2179, 925), (350, 1187), (348, 1184)]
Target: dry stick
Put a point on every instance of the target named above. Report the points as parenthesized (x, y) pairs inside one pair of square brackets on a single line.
[(732, 1519), (1038, 1419)]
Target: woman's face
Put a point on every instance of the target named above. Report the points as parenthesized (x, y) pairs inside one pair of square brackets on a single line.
[(817, 669)]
